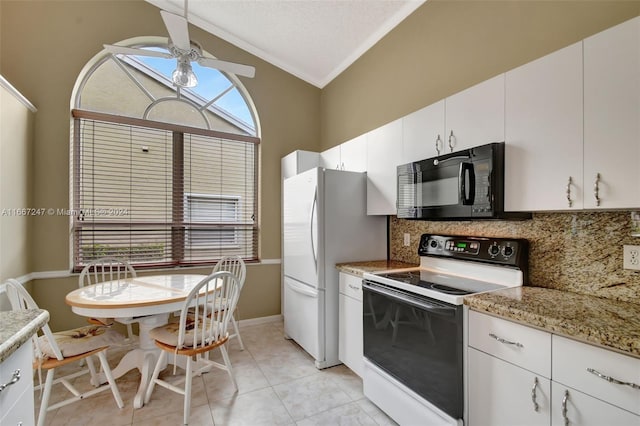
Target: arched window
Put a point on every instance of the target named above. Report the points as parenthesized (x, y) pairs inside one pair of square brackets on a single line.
[(162, 175)]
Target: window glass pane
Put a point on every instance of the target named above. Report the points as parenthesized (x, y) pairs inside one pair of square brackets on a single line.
[(234, 103)]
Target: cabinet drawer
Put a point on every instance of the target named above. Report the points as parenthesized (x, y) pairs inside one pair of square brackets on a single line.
[(351, 285), (521, 345), (572, 359), (21, 360)]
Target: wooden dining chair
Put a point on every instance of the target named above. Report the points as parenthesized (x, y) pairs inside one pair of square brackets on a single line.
[(53, 350), (237, 267), (198, 331), (108, 269)]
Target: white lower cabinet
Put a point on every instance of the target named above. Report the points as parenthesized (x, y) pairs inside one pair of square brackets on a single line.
[(505, 394), (16, 400), (572, 407), (350, 350), (512, 367)]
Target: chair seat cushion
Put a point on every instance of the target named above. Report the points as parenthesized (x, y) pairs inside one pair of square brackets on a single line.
[(168, 333), (80, 340)]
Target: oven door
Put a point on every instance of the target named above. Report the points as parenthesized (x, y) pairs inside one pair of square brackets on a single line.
[(418, 341)]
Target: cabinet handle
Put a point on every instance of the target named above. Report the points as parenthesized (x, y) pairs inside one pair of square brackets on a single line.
[(452, 143), (564, 408), (341, 166), (596, 189), (612, 380), (569, 200), (506, 342), (353, 287), (438, 144), (533, 394), (14, 379), (338, 166)]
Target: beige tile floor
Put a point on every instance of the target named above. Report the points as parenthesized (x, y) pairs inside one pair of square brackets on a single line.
[(278, 385)]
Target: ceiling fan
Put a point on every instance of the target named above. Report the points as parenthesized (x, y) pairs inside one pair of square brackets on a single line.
[(185, 51)]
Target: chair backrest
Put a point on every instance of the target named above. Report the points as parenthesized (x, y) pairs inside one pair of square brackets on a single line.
[(106, 269), (233, 264), (20, 300), (200, 322)]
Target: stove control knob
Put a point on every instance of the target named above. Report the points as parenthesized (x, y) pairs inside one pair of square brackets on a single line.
[(494, 249), (434, 244), (507, 251)]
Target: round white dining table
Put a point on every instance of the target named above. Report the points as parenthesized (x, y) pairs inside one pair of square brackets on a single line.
[(147, 300)]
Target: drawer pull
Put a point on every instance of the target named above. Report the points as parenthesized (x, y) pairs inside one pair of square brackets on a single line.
[(14, 379), (533, 394), (506, 342), (564, 408), (612, 380), (353, 287)]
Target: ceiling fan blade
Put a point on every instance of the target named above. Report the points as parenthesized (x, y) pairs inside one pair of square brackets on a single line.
[(232, 67), (178, 30), (131, 51)]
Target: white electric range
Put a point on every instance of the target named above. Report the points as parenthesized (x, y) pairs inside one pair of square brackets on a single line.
[(413, 323)]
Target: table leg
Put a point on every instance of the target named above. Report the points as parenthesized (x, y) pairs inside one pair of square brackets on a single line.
[(143, 357)]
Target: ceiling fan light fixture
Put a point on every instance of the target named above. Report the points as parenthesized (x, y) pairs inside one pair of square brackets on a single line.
[(183, 76)]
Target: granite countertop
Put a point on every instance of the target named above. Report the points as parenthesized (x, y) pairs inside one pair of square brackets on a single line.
[(18, 327), (605, 322), (359, 268)]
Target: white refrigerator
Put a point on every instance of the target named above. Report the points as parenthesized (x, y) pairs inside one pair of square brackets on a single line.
[(324, 223)]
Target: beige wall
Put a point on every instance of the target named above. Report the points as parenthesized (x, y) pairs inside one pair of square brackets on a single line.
[(448, 45), (16, 125), (43, 47)]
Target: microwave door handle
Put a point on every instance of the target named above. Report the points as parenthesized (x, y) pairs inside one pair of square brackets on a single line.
[(467, 179)]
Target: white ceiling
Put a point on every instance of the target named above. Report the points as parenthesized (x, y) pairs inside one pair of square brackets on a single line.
[(314, 40)]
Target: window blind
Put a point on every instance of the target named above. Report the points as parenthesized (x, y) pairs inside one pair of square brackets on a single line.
[(161, 195)]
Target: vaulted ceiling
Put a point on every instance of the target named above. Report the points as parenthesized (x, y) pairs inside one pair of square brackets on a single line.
[(314, 40)]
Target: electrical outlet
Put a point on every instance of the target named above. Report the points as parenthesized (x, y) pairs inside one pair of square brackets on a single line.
[(631, 257), (407, 239)]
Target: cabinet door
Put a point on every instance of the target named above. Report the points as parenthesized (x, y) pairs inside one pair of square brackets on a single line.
[(384, 147), (612, 117), (572, 407), (350, 336), (422, 131), (543, 131), (475, 116), (501, 393), (330, 159), (353, 154)]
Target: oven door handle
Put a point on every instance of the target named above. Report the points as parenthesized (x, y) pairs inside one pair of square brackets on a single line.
[(418, 302)]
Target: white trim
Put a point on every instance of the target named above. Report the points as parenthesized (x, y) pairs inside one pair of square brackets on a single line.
[(19, 96), (43, 275), (260, 320)]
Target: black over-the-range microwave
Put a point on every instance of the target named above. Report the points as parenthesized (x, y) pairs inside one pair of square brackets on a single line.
[(462, 185)]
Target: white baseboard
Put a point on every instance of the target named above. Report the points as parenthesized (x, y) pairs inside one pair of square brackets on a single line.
[(261, 320)]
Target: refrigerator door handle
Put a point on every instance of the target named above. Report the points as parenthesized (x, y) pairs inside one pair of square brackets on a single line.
[(302, 289), (311, 228)]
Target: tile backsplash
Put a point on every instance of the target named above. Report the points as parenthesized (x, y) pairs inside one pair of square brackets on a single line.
[(578, 252)]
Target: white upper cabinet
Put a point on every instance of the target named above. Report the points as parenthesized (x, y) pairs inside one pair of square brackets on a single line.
[(612, 117), (384, 154), (350, 156), (544, 133), (423, 133), (330, 158), (475, 116), (298, 162), (353, 154)]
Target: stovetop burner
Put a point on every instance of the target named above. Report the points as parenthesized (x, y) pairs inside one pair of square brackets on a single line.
[(449, 290), (438, 282)]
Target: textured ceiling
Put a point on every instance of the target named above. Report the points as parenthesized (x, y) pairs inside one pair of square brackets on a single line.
[(314, 40)]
